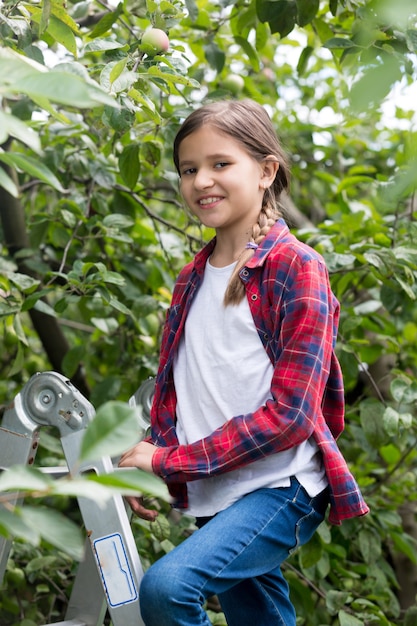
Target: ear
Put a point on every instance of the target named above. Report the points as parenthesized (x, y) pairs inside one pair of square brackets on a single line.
[(270, 167)]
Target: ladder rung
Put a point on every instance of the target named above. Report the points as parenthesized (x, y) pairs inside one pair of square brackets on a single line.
[(70, 622)]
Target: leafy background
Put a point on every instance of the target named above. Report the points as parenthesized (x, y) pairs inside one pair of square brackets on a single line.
[(93, 233)]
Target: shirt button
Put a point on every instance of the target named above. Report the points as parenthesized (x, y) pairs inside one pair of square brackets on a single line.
[(254, 297), (245, 273)]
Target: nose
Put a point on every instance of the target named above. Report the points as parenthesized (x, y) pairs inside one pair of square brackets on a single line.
[(203, 179)]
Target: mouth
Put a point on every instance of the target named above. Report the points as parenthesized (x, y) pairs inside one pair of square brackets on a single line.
[(209, 201)]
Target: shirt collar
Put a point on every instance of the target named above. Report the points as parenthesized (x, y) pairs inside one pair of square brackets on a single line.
[(277, 232)]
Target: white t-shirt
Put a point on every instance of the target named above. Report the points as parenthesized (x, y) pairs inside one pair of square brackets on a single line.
[(222, 370)]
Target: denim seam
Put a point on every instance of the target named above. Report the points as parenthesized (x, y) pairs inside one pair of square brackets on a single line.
[(267, 595), (270, 520)]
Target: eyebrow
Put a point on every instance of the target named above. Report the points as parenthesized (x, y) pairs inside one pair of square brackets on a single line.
[(213, 157)]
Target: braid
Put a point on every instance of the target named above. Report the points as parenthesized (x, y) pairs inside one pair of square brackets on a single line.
[(235, 291)]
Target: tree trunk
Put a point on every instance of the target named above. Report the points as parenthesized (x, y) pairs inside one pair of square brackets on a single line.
[(54, 342)]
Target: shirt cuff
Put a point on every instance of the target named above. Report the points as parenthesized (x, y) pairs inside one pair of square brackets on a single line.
[(158, 461)]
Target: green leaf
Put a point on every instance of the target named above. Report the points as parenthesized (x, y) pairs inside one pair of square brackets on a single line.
[(106, 22), (371, 413), (323, 29), (10, 125), (25, 283), (118, 220), (24, 478), (21, 75), (405, 286), (59, 11), (405, 544), (303, 60), (18, 328), (45, 15), (53, 26), (250, 51), (172, 78), (335, 600), (33, 167), (18, 362), (411, 35), (394, 420), (403, 390), (215, 57), (13, 526), (64, 88), (8, 184), (115, 80), (352, 181), (56, 529), (133, 480), (114, 430), (117, 69), (370, 545), (129, 165), (339, 42), (281, 15), (311, 553), (375, 84), (306, 11), (146, 103), (101, 45), (81, 488), (346, 619), (119, 306), (192, 9), (62, 35)]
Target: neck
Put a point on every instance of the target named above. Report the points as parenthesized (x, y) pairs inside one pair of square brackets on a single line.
[(227, 251)]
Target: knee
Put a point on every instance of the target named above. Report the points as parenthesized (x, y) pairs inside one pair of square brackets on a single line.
[(162, 590), (156, 584)]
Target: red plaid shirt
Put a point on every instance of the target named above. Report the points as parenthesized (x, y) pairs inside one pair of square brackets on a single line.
[(296, 316)]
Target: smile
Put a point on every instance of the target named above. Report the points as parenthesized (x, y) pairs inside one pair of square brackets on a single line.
[(210, 200)]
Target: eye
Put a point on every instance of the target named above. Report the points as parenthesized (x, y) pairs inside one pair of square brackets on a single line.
[(221, 164), (188, 171)]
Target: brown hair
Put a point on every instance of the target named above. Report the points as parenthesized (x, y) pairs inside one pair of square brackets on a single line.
[(248, 123)]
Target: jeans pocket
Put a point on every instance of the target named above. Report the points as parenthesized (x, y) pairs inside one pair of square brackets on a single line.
[(312, 511), (305, 528)]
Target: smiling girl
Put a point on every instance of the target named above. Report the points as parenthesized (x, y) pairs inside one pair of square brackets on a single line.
[(249, 395)]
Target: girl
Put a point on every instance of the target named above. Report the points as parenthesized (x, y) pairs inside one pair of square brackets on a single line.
[(249, 398)]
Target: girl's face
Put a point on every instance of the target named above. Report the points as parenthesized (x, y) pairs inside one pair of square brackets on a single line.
[(220, 182)]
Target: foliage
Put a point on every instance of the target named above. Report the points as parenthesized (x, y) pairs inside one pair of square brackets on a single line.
[(93, 234)]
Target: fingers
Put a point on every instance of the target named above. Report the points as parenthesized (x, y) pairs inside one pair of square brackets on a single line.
[(139, 456), (136, 504), (126, 458), (136, 458)]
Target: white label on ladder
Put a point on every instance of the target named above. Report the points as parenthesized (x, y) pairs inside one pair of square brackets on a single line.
[(115, 570)]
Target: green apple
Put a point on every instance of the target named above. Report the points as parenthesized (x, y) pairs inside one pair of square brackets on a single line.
[(154, 40), (233, 83)]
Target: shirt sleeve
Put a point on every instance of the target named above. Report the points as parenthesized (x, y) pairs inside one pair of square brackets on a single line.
[(303, 323)]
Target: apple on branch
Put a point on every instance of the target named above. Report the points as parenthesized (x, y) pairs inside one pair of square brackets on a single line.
[(233, 83), (154, 41)]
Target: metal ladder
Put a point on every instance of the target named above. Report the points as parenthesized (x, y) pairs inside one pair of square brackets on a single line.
[(108, 578)]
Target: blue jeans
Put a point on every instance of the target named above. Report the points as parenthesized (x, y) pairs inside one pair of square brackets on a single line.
[(237, 555)]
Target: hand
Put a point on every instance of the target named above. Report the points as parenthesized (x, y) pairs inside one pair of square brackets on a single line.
[(140, 456), (137, 506)]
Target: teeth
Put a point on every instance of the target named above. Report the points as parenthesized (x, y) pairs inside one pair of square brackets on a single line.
[(209, 200)]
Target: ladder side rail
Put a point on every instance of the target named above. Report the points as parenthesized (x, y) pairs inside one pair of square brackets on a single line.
[(87, 604), (19, 439), (111, 541), (111, 569)]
